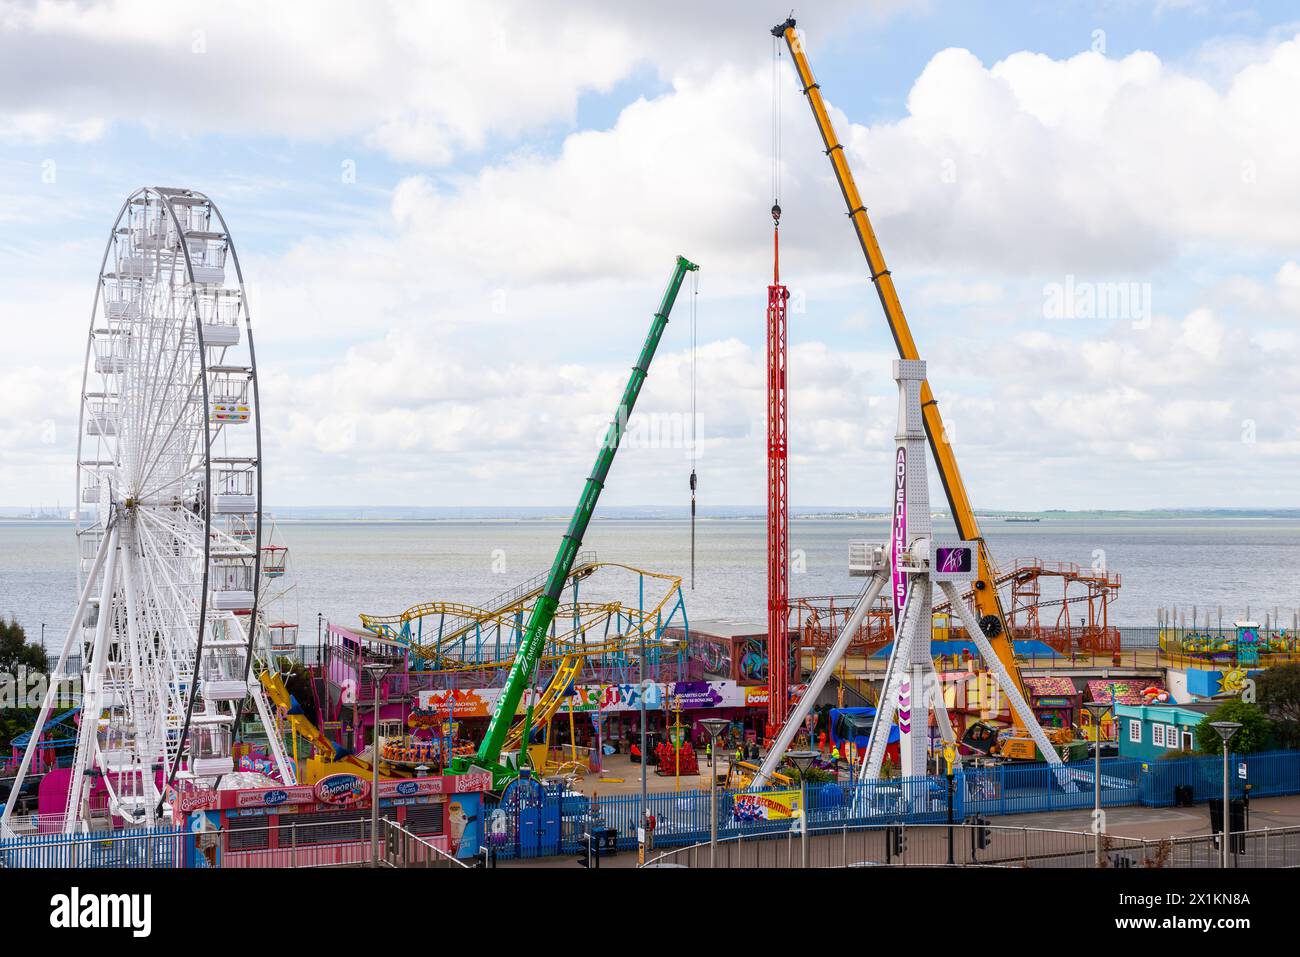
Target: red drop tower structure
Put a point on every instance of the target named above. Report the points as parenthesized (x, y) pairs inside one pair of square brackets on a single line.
[(778, 507)]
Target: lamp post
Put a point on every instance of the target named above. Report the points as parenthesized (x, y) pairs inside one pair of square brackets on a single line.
[(803, 761), (714, 727), (643, 831), (377, 670), (949, 757), (1098, 710), (1226, 730)]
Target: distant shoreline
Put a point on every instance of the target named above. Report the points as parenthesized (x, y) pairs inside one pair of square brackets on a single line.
[(398, 516)]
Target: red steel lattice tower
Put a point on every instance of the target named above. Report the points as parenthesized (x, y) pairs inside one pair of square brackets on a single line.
[(778, 508)]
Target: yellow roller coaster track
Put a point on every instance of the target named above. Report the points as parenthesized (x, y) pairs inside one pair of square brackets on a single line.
[(506, 616), (509, 603), (549, 701), (573, 641), (571, 647)]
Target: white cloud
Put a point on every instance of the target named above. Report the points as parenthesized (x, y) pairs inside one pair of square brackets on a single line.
[(470, 346), (1032, 166), (421, 81)]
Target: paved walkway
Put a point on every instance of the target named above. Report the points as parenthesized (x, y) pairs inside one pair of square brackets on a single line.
[(621, 776)]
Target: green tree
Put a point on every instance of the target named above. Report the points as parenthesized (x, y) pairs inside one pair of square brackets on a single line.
[(16, 650), (1279, 695), (1256, 729)]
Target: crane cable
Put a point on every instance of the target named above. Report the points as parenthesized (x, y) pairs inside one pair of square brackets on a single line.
[(777, 44), (695, 292)]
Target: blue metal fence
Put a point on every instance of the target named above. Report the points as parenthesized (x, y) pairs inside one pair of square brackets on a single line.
[(556, 825), (157, 847), (1268, 773), (1031, 789), (549, 821), (683, 817)]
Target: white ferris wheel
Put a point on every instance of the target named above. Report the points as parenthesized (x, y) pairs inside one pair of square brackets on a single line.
[(169, 528)]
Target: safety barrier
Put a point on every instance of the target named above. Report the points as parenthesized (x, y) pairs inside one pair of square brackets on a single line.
[(1269, 773), (554, 820), (248, 845), (984, 845), (555, 824), (156, 847), (918, 845)]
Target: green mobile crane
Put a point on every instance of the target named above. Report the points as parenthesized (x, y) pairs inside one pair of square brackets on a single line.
[(539, 623)]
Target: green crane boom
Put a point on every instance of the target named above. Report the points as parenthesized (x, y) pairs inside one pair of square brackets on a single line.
[(539, 623)]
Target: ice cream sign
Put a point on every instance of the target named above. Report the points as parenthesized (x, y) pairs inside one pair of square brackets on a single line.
[(341, 789)]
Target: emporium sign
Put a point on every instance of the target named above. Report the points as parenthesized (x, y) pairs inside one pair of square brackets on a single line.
[(341, 789)]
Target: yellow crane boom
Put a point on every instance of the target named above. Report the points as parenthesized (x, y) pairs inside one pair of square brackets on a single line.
[(987, 603)]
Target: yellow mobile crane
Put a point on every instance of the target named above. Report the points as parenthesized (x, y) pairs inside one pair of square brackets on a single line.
[(987, 603)]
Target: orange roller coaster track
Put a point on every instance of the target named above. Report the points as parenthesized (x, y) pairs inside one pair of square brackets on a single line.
[(1081, 604)]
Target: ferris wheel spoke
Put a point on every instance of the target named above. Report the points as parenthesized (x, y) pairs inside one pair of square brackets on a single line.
[(156, 410), (148, 493), (155, 339), (165, 424), (180, 446)]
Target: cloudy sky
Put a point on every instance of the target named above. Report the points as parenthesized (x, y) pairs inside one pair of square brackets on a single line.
[(456, 220)]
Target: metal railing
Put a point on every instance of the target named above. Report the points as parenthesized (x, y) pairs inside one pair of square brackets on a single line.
[(1263, 847), (401, 848), (921, 845), (976, 845), (312, 844), (684, 817)]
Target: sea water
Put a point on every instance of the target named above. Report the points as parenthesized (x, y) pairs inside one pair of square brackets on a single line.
[(340, 569)]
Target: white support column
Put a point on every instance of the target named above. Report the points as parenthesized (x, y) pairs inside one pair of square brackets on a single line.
[(1017, 701), (56, 681), (914, 695), (819, 679), (147, 784), (92, 690)]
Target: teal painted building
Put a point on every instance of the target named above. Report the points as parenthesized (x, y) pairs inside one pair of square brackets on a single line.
[(1150, 731)]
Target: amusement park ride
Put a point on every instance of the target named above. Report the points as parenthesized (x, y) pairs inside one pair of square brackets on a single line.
[(182, 592), (180, 619), (457, 641), (169, 483), (778, 499), (914, 560)]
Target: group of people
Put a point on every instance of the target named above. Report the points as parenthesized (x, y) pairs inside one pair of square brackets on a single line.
[(743, 750)]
